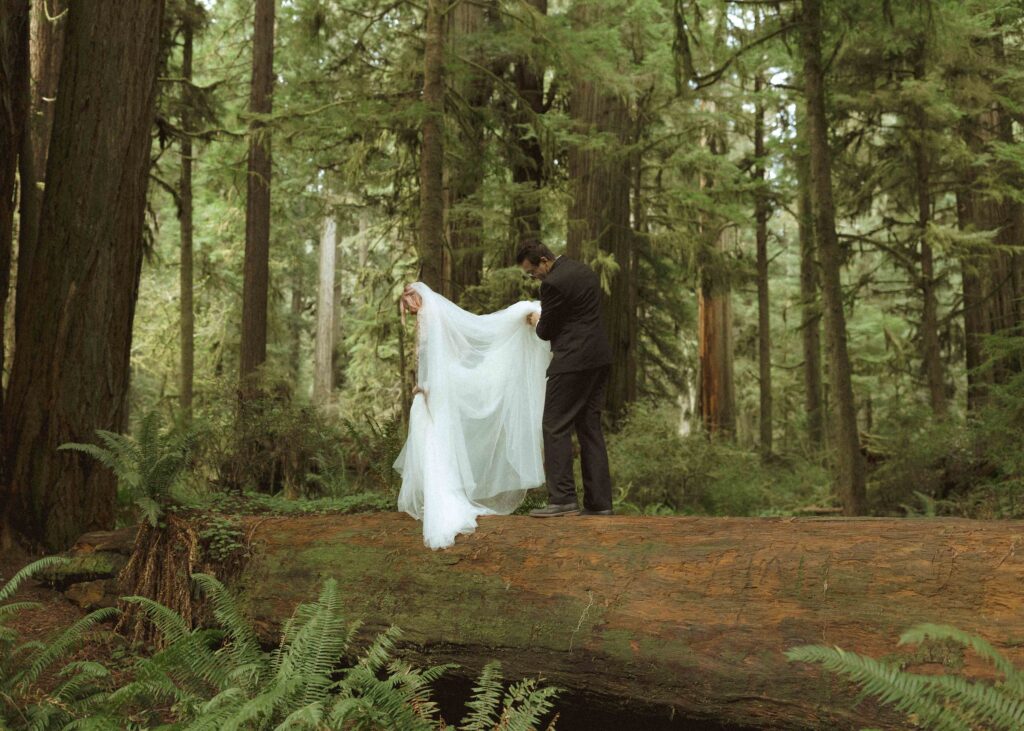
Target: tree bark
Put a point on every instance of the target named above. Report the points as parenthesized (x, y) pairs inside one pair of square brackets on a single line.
[(931, 353), (431, 224), (323, 366), (810, 308), (465, 227), (598, 217), (992, 281), (527, 161), (849, 480), (187, 334), (764, 335), (14, 36), (82, 282), (256, 280), (716, 396), (690, 615)]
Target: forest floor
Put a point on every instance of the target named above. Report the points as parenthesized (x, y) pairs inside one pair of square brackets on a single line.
[(55, 613)]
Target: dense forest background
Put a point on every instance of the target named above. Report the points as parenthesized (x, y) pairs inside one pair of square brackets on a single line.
[(807, 217)]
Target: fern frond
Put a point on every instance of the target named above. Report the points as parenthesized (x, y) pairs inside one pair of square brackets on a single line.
[(244, 646), (310, 716), (981, 703), (27, 572), (486, 699), (984, 649), (525, 704), (64, 643), (907, 692)]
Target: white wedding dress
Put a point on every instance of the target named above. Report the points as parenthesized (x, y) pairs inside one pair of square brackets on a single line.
[(474, 443)]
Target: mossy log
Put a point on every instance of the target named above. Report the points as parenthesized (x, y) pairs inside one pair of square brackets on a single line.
[(690, 616)]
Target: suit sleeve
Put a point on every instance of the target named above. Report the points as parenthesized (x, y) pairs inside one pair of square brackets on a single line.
[(553, 308)]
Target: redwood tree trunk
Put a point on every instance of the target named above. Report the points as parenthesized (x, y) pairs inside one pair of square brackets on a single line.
[(992, 281), (465, 227), (716, 396), (689, 615), (256, 279), (810, 308), (323, 367), (527, 154), (431, 224), (600, 183), (849, 462), (14, 34), (82, 283), (931, 354), (46, 49), (764, 335), (187, 334)]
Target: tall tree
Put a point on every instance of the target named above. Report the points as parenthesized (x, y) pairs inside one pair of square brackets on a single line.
[(46, 49), (323, 370), (810, 307), (256, 280), (993, 278), (430, 239), (849, 462), (931, 353), (472, 90), (527, 155), (188, 318), (764, 335), (599, 214), (14, 35), (82, 282)]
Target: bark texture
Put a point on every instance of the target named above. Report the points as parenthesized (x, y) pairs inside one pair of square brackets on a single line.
[(527, 155), (599, 214), (82, 281), (430, 239), (993, 282), (256, 280), (849, 475), (689, 614), (14, 35), (323, 355), (46, 50), (764, 332), (188, 319), (810, 308)]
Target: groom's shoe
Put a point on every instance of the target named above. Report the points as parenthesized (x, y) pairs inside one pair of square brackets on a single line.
[(586, 511), (552, 510)]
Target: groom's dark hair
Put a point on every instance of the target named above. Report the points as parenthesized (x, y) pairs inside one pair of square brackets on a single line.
[(533, 250)]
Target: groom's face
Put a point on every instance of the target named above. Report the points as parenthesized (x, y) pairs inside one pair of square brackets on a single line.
[(538, 270)]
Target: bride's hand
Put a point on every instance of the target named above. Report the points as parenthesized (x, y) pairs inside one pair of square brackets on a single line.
[(532, 319)]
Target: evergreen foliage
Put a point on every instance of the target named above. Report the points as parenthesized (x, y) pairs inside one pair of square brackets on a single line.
[(948, 702), (222, 678), (149, 467)]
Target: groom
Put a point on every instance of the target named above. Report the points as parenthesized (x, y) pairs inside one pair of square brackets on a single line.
[(570, 301)]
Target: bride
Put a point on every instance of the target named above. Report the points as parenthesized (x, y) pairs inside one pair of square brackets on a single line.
[(474, 443)]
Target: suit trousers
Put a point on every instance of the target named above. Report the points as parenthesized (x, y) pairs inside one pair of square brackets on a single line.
[(573, 401)]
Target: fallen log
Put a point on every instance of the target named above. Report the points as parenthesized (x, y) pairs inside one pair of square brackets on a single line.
[(685, 616), (689, 615)]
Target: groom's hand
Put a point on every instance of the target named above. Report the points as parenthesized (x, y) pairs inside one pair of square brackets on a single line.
[(532, 319)]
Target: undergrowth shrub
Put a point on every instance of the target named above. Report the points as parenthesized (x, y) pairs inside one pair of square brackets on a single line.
[(655, 470)]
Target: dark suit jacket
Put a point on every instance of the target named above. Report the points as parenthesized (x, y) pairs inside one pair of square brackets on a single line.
[(570, 301)]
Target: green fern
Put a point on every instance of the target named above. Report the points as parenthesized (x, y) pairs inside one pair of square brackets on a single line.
[(78, 688), (940, 702), (148, 467)]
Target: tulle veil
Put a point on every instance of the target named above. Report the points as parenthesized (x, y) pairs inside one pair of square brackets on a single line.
[(474, 442)]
